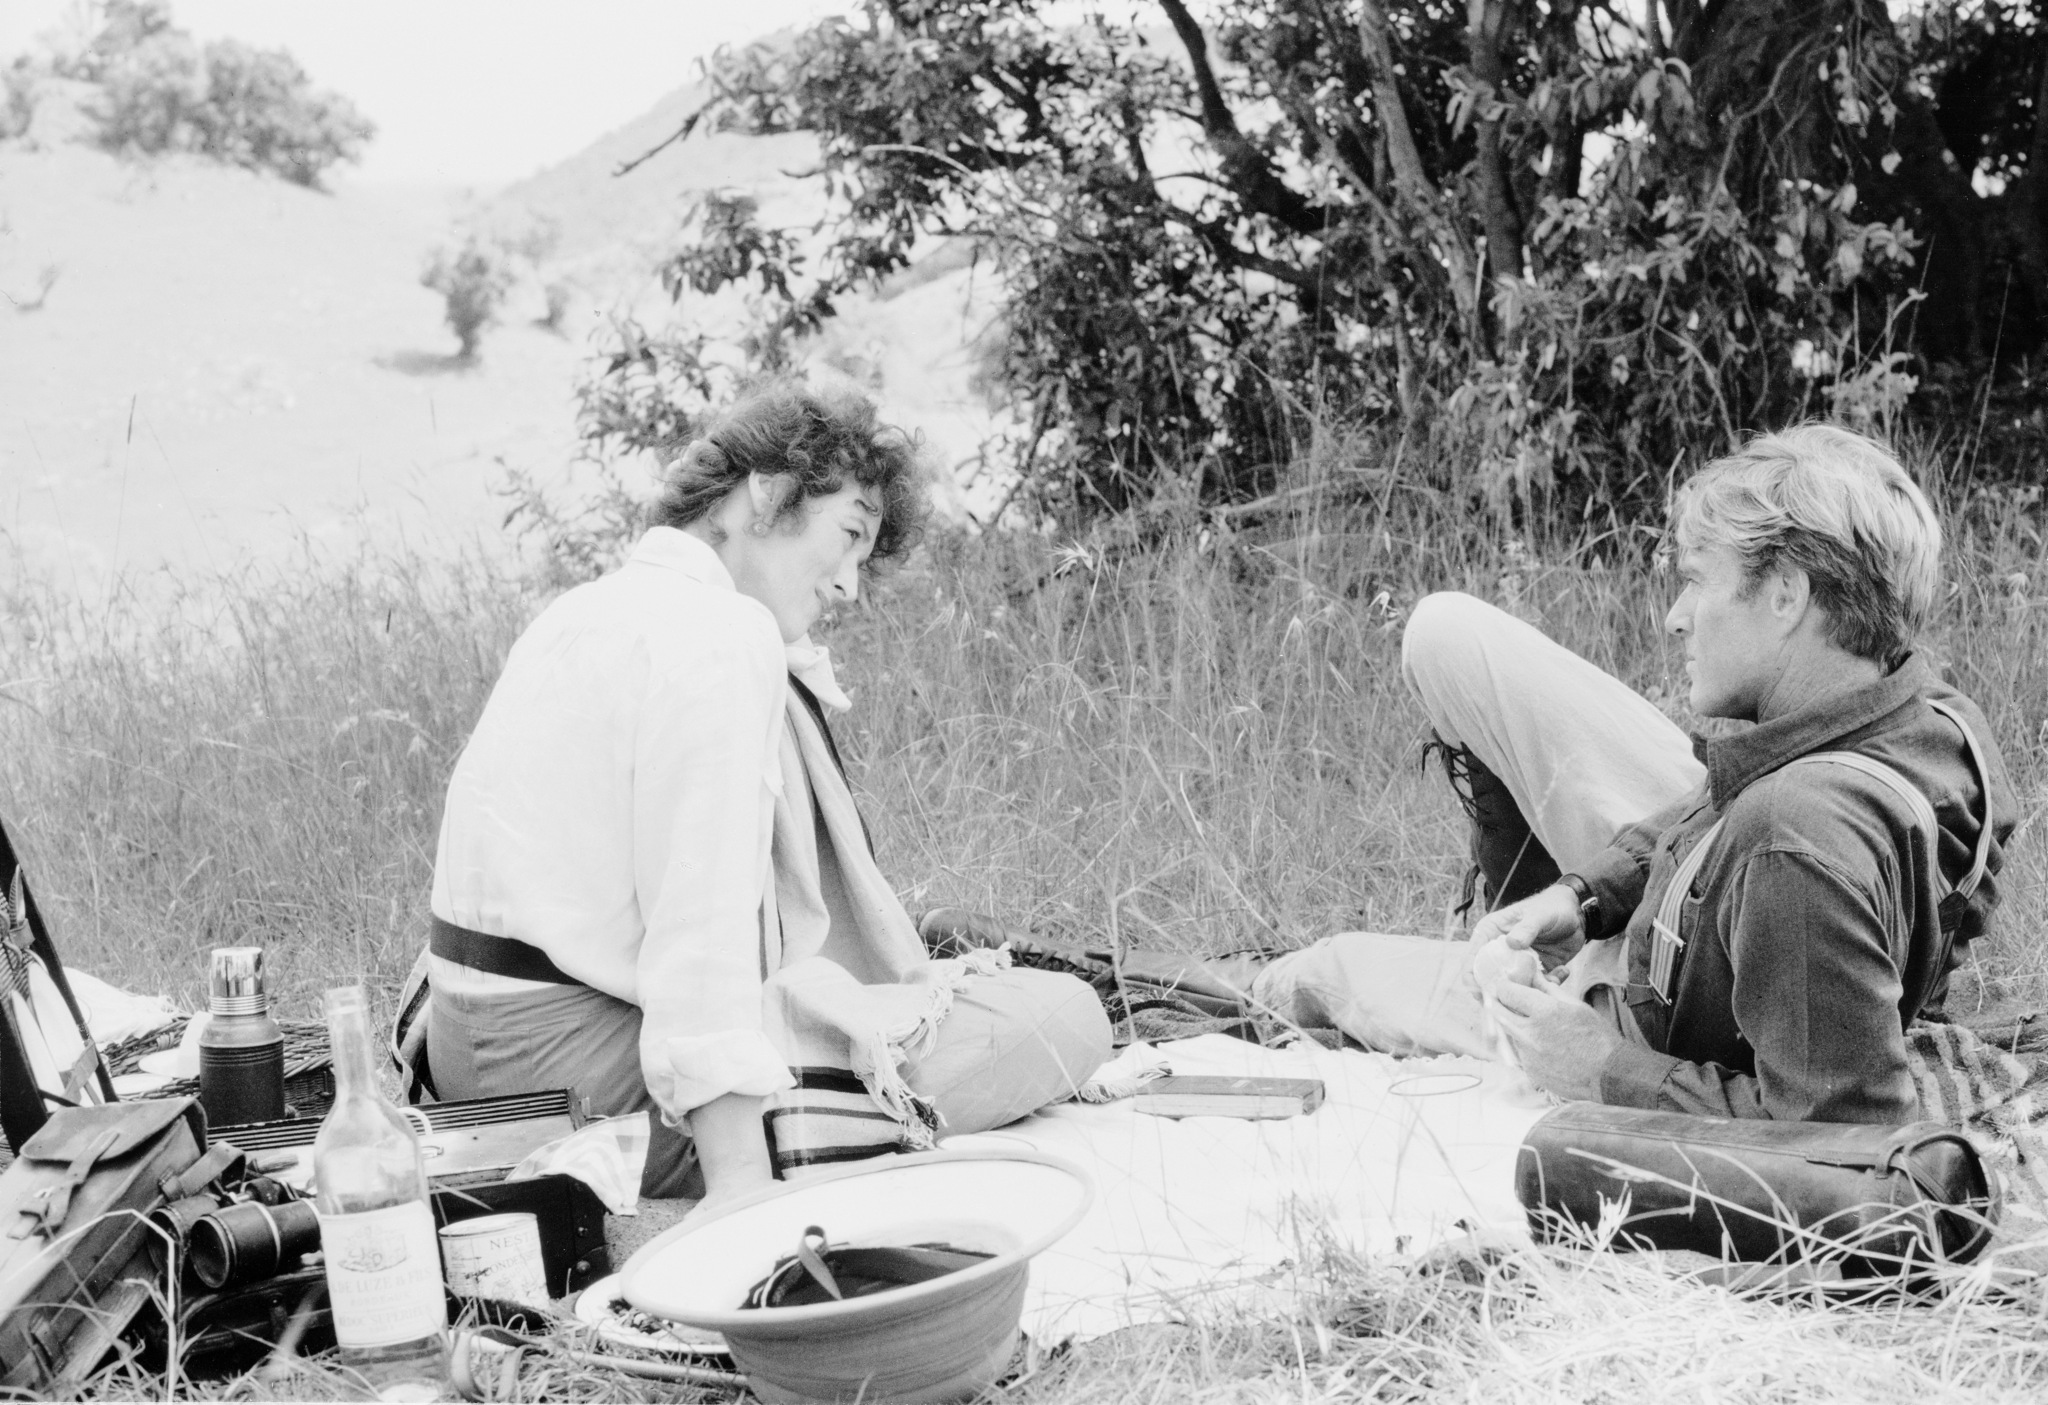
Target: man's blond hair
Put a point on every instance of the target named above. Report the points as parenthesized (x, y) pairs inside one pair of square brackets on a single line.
[(1837, 505)]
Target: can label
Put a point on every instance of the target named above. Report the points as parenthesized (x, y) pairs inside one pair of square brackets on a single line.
[(496, 1256), (383, 1275)]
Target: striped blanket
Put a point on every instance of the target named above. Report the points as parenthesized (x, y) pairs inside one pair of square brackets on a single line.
[(1998, 1099)]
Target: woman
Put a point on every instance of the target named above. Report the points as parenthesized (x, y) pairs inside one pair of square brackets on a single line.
[(652, 887)]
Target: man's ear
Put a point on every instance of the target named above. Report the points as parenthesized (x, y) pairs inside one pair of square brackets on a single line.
[(1791, 595)]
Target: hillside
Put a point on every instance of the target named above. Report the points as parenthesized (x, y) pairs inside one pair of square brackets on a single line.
[(909, 346), (226, 365)]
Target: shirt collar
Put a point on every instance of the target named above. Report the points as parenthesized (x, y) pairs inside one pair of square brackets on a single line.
[(811, 665), (673, 549), (1733, 763)]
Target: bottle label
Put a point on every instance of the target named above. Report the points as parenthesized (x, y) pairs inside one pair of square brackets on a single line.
[(384, 1275)]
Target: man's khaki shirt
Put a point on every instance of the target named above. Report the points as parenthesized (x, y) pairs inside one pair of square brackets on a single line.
[(1812, 930)]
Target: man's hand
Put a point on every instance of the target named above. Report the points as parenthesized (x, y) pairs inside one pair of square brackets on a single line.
[(1562, 1043), (1546, 918)]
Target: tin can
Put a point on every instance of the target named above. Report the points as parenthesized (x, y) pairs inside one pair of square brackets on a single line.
[(495, 1256)]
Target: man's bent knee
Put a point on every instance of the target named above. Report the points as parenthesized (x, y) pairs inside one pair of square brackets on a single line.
[(1443, 643)]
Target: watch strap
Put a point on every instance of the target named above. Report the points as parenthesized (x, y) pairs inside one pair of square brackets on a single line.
[(1589, 902)]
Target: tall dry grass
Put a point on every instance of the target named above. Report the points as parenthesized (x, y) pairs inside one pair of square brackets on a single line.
[(1193, 736), (253, 759), (1208, 744), (1199, 741)]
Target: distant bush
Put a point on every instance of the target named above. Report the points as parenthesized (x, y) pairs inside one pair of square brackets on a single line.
[(246, 106), (261, 112), (491, 255), (474, 279), (19, 84), (557, 293), (151, 94)]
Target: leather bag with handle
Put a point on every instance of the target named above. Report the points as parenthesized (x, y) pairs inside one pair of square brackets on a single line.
[(78, 1255), (1870, 1202)]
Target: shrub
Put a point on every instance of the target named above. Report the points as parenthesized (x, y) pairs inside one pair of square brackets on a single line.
[(150, 94), (19, 91), (248, 107), (473, 279), (262, 112), (557, 293)]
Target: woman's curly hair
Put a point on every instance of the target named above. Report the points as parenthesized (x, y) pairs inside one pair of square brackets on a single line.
[(821, 438)]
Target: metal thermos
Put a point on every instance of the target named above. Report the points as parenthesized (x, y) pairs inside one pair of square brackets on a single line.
[(241, 1054)]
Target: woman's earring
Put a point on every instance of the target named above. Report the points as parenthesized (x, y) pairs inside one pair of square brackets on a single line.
[(758, 527)]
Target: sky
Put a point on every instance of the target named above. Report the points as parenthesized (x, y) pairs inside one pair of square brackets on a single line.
[(471, 92)]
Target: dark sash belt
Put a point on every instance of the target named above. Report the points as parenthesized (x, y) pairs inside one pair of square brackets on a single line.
[(500, 956)]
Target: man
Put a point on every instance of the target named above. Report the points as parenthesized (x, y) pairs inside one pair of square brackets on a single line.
[(1744, 927)]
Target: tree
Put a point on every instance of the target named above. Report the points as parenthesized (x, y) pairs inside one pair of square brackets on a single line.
[(262, 112), (1398, 209), (473, 279), (160, 91)]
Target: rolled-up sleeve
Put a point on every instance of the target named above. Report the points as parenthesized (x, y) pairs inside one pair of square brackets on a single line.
[(702, 760)]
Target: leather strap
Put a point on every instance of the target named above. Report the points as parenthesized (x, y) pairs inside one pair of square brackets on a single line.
[(1981, 861), (221, 1159), (498, 956), (45, 1213), (808, 1254)]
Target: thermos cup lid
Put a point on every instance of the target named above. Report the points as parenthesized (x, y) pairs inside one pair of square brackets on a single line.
[(235, 981)]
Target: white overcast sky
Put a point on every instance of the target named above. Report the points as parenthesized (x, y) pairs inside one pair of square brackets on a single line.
[(473, 92)]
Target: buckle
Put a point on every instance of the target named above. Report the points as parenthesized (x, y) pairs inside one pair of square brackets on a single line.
[(1665, 948)]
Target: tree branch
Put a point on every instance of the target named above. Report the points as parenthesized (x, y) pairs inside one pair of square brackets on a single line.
[(1402, 152), (1410, 180), (682, 133), (1257, 184)]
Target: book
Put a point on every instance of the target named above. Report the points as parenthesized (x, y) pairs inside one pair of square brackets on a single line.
[(1219, 1095)]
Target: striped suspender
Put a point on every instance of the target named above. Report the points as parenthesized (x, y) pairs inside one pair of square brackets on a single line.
[(1666, 942)]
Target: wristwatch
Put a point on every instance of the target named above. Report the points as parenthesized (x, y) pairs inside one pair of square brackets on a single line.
[(1589, 903)]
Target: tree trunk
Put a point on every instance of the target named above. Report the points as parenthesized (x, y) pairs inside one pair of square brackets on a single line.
[(1485, 22), (1567, 141), (1411, 183)]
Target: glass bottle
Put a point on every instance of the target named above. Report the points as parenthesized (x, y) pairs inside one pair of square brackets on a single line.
[(376, 1226)]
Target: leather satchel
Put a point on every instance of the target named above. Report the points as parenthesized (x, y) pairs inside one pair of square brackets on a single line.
[(1859, 1202), (78, 1254)]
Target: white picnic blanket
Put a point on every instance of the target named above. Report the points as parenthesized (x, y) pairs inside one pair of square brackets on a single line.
[(1217, 1212)]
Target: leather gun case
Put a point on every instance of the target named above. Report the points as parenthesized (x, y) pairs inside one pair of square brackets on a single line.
[(1864, 1203), (78, 1255)]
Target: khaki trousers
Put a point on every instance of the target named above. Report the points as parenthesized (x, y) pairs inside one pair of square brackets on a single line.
[(1013, 1042), (1582, 754)]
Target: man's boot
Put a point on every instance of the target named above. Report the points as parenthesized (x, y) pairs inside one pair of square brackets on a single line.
[(1509, 862)]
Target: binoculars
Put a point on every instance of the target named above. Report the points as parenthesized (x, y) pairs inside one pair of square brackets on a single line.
[(233, 1241)]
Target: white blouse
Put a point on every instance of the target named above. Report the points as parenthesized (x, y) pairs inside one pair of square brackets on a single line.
[(614, 808)]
